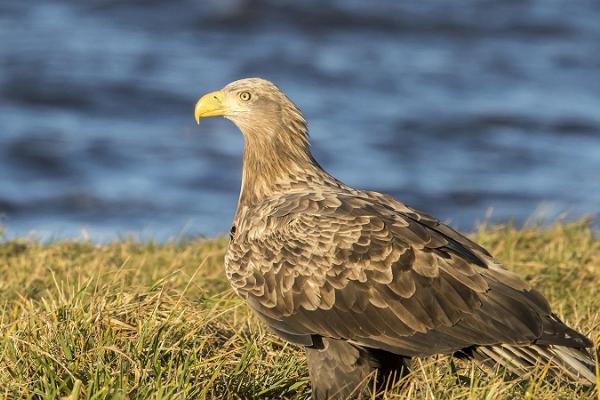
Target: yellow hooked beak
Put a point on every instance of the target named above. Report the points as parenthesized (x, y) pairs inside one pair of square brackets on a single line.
[(210, 105)]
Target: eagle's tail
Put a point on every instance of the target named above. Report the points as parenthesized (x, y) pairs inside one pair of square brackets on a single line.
[(577, 364)]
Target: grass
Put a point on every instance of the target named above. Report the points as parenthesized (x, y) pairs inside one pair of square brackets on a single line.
[(135, 320)]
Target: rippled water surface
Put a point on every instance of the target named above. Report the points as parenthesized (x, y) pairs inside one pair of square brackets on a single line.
[(454, 109)]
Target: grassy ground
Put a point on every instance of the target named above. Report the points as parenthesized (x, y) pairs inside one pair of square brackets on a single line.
[(147, 321)]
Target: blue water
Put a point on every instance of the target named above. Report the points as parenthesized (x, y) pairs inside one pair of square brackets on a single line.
[(455, 108)]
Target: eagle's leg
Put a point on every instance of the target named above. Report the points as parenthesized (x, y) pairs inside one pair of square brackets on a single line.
[(341, 370)]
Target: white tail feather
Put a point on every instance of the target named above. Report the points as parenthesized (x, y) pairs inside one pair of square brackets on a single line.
[(578, 365)]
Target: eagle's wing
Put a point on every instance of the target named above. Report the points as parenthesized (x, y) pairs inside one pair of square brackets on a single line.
[(378, 274)]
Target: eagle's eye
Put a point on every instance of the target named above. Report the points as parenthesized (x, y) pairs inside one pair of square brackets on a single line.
[(245, 96)]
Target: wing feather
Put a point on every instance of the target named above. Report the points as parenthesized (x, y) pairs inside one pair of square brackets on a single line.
[(367, 269)]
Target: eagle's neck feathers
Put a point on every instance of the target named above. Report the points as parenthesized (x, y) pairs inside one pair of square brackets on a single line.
[(277, 158)]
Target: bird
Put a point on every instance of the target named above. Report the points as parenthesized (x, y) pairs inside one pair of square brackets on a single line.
[(362, 281)]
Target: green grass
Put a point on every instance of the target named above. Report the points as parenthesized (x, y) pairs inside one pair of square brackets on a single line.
[(146, 321)]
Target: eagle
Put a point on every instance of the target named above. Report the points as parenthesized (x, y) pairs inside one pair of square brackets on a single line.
[(363, 282)]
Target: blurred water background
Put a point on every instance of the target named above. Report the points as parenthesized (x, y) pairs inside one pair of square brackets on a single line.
[(453, 107)]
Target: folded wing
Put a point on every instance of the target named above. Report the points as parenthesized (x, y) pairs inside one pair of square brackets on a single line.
[(367, 269)]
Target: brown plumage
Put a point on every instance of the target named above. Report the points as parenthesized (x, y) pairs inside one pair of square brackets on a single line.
[(358, 278)]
